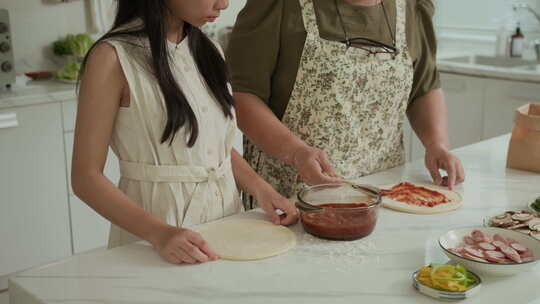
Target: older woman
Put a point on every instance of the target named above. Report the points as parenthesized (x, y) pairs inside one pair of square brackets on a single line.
[(322, 88)]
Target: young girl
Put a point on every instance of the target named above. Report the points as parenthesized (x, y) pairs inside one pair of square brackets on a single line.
[(156, 89)]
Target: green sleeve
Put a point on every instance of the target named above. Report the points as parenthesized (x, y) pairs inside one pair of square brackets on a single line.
[(253, 48), (426, 75)]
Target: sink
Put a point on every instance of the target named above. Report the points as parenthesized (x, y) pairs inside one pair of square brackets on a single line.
[(493, 61)]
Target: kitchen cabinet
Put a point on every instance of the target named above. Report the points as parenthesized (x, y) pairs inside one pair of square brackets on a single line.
[(501, 100), (479, 108), (34, 212), (464, 98), (41, 220)]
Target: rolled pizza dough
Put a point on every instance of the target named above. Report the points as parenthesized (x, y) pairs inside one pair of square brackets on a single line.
[(455, 201), (246, 239)]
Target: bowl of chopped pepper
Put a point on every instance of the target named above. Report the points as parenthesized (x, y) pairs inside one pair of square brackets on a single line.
[(446, 282)]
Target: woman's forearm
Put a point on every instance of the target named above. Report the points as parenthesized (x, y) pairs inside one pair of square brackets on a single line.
[(107, 200), (264, 129), (428, 118)]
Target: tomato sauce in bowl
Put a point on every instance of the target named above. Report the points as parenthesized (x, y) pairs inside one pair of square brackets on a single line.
[(341, 221)]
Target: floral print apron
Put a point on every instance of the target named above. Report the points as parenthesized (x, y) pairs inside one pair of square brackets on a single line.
[(347, 102)]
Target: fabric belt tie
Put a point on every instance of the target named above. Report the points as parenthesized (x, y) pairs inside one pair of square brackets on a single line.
[(160, 174)]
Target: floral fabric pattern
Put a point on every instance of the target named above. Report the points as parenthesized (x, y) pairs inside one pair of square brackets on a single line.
[(347, 102)]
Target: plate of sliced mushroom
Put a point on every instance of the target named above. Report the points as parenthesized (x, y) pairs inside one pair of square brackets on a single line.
[(523, 221)]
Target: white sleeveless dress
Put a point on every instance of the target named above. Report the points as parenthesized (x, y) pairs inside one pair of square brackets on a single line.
[(183, 186)]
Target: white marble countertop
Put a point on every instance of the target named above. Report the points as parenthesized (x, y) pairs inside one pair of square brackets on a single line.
[(377, 268), (37, 92)]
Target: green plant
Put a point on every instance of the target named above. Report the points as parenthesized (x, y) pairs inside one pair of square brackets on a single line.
[(75, 45), (70, 71)]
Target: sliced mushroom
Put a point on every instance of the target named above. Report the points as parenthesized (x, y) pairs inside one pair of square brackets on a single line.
[(524, 230), (535, 234), (509, 223), (505, 222), (519, 226), (533, 222), (522, 217), (535, 227)]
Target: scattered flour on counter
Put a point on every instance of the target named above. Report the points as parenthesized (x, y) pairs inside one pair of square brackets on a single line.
[(339, 252)]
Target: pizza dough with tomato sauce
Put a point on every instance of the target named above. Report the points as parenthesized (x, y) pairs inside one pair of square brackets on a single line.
[(420, 198)]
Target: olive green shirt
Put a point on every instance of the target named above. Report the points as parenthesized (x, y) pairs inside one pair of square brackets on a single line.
[(268, 39)]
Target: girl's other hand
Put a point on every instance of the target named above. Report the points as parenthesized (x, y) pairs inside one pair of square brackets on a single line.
[(271, 201), (183, 246)]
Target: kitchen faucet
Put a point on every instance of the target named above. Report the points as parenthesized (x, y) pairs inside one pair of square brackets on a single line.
[(535, 43), (526, 6)]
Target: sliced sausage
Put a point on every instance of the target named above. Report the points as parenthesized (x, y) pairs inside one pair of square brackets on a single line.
[(499, 244), (519, 248), (527, 254), (500, 238), (512, 254), (510, 241), (487, 246), (469, 240), (478, 235), (473, 251), (493, 256), (474, 258), (455, 251)]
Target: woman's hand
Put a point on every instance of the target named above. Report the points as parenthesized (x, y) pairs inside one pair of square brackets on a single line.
[(271, 201), (440, 158), (179, 246), (313, 166)]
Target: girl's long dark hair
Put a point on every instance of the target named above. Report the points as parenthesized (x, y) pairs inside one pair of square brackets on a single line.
[(209, 61)]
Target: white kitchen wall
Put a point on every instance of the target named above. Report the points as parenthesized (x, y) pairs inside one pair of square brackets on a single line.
[(473, 25), (35, 24), (38, 23)]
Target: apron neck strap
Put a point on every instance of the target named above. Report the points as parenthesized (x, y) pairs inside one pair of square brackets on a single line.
[(310, 18), (312, 28), (401, 24)]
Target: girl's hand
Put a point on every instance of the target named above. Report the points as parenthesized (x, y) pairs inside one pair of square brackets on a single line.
[(440, 158), (271, 201), (313, 166), (179, 246)]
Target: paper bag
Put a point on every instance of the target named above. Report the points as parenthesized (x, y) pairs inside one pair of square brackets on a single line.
[(524, 147)]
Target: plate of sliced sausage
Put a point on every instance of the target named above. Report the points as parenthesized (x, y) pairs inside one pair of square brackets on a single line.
[(490, 250)]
